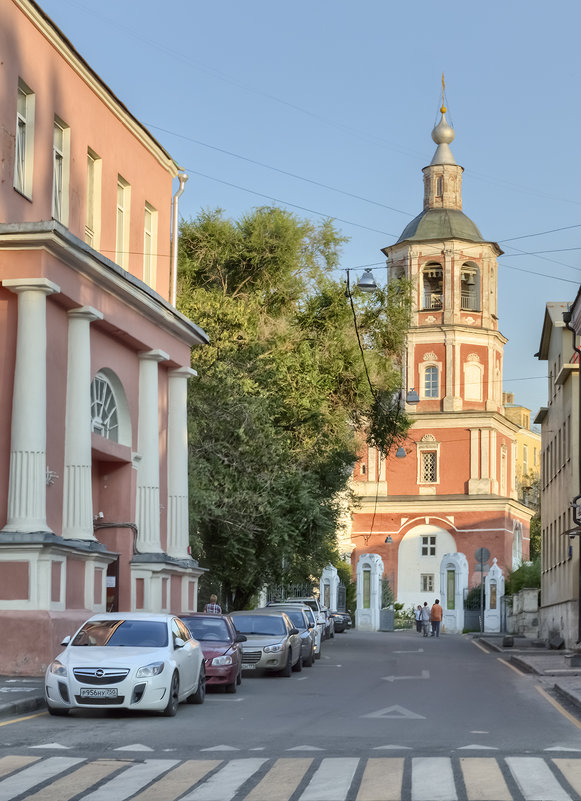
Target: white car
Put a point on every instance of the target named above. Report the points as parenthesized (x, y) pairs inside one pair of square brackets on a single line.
[(127, 660)]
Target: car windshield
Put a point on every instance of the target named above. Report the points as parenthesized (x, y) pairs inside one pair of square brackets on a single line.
[(204, 628), (309, 614), (296, 617), (260, 624), (130, 633)]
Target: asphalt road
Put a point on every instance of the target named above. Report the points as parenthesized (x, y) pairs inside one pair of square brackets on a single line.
[(431, 705)]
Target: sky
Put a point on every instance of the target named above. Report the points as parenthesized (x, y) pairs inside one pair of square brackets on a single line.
[(326, 107)]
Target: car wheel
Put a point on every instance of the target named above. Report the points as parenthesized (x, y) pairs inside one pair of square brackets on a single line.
[(298, 666), (332, 634), (239, 678), (174, 697), (230, 688), (200, 694), (318, 654), (287, 670), (310, 660), (57, 711)]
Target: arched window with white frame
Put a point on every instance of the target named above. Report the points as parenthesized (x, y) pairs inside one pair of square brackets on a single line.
[(473, 378), (109, 408)]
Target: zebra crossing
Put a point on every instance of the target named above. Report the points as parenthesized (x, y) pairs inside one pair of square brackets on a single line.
[(439, 778)]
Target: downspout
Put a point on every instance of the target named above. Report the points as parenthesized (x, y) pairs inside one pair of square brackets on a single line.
[(182, 178), (577, 498)]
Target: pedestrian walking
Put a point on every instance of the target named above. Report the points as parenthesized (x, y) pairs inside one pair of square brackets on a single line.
[(213, 607), (436, 613), (418, 614), (425, 619)]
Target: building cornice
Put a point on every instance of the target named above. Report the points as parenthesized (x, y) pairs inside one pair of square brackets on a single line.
[(469, 419), (418, 506)]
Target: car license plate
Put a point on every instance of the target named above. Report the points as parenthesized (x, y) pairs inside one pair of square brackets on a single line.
[(98, 692), (248, 667)]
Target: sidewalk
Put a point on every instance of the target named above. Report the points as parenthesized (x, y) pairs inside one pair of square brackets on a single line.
[(18, 694), (533, 656)]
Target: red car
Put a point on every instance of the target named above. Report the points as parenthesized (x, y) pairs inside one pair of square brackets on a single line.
[(219, 640)]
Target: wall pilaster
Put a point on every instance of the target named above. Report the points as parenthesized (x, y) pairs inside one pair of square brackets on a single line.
[(177, 462)]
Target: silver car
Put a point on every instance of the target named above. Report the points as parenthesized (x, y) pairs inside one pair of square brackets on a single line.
[(272, 642), (304, 622), (318, 617)]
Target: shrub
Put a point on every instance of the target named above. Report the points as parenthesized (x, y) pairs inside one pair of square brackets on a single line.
[(528, 574)]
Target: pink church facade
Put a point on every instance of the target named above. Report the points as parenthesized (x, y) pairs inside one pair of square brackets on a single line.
[(454, 490), (95, 359)]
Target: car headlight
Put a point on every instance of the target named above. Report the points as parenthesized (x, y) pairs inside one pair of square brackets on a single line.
[(145, 672), (57, 668), (274, 649), (222, 660)]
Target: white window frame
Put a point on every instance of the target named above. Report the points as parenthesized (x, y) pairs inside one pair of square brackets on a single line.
[(424, 367), (122, 222), (429, 543), (61, 150), (150, 245), (93, 207), (427, 582), (427, 445), (471, 369), (24, 140)]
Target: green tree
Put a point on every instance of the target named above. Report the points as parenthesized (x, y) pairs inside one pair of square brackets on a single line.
[(283, 392)]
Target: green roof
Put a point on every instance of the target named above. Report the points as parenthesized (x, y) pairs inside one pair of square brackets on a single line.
[(441, 224)]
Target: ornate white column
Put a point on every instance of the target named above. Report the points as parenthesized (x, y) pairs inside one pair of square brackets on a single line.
[(177, 462), (147, 509), (27, 482), (77, 490)]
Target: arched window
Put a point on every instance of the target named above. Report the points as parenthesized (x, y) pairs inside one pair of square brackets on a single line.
[(433, 286), (470, 287), (104, 414), (431, 382), (473, 374)]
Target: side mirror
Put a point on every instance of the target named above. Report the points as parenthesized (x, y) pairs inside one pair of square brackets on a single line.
[(311, 625), (178, 642), (66, 640), (294, 631), (240, 638)]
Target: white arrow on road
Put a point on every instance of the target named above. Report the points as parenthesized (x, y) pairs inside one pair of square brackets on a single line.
[(425, 675), (415, 651)]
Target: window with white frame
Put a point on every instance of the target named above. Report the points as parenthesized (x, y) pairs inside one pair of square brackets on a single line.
[(104, 410), (427, 582), (429, 467), (431, 382), (93, 208), (428, 545), (60, 171), (149, 244), (123, 210), (473, 375), (24, 140)]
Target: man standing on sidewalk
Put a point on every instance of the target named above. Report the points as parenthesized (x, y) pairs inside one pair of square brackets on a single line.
[(436, 618), (425, 619)]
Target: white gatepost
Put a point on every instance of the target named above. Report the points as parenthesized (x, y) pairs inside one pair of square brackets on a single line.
[(328, 586), (494, 588), (369, 575), (453, 583)]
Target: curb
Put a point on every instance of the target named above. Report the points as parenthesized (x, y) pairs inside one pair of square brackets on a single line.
[(573, 699), (23, 705)]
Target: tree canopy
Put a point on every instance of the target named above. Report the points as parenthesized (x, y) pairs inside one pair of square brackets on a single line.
[(285, 392)]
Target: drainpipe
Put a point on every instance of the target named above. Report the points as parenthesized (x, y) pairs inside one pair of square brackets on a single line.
[(577, 498), (182, 178)]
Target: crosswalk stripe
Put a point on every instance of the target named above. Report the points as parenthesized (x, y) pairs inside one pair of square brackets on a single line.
[(178, 780), (483, 779), (433, 779), (382, 779), (9, 764), (535, 779), (332, 780), (281, 780), (74, 783), (226, 783), (36, 774), (131, 780), (571, 770)]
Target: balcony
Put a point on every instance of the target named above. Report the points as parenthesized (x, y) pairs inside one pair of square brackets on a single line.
[(469, 301)]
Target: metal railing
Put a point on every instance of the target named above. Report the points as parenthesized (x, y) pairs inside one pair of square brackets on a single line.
[(432, 300)]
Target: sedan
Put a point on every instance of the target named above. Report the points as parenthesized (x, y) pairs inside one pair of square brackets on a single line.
[(273, 643), (298, 617), (220, 644), (127, 660)]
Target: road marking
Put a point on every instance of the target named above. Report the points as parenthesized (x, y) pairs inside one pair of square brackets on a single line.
[(478, 731), (558, 707), (415, 651), (398, 712), (510, 665), (17, 689), (433, 779), (54, 746), (281, 781), (175, 783), (562, 748), (220, 748), (36, 774), (382, 779), (224, 785), (392, 748), (571, 770), (483, 779), (482, 648), (477, 748), (535, 779), (305, 748), (425, 675), (9, 764), (132, 780), (19, 720), (135, 747), (332, 780), (75, 783)]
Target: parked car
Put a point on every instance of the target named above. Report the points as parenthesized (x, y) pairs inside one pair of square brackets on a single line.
[(221, 646), (128, 660), (328, 623), (305, 624), (272, 642), (341, 621), (313, 604)]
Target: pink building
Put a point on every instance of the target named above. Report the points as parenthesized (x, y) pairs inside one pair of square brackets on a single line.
[(95, 359), (455, 491)]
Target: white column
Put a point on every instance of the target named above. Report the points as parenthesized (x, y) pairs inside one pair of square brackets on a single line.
[(147, 509), (474, 442), (27, 482), (77, 489), (177, 462)]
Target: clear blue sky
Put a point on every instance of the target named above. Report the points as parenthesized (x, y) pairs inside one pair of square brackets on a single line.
[(346, 94)]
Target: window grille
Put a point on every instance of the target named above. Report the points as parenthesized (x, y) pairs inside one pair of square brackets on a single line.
[(429, 467)]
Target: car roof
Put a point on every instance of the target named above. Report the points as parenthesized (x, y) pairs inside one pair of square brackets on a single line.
[(151, 616), (213, 615)]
